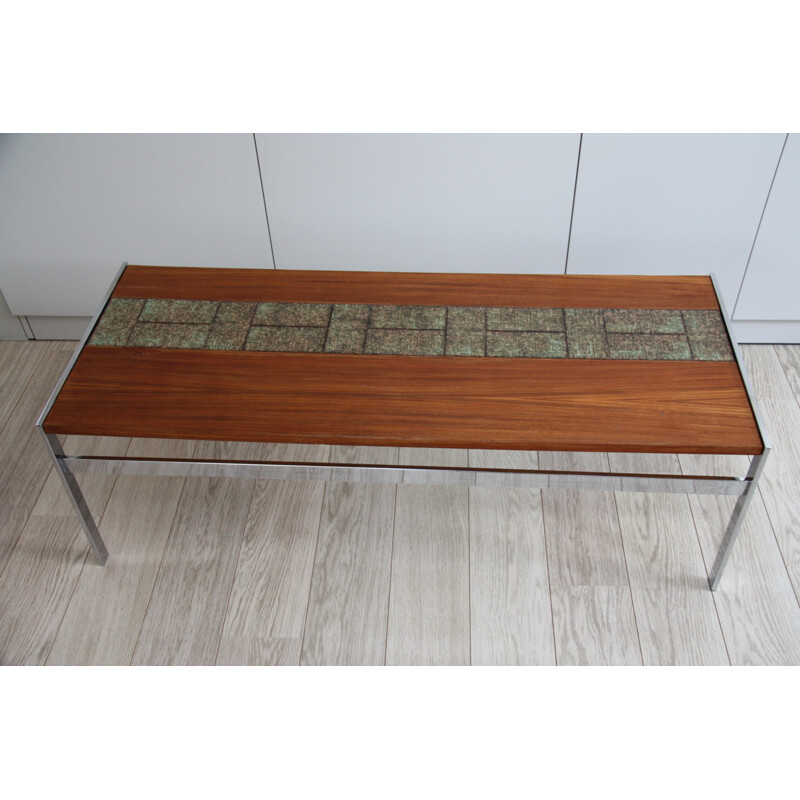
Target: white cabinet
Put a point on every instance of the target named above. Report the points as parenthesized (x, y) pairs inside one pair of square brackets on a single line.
[(771, 289), (74, 207), (671, 204), (415, 202)]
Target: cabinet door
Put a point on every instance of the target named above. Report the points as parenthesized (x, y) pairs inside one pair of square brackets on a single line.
[(771, 289), (416, 202), (671, 204), (74, 207)]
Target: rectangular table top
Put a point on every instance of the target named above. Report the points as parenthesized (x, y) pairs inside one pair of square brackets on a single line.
[(528, 362)]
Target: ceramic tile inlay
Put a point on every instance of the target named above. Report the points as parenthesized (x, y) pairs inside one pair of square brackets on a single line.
[(459, 331)]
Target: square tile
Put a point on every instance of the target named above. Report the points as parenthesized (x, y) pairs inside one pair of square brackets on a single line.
[(707, 335), (405, 342), (285, 339), (649, 346), (525, 319), (168, 335), (116, 322), (523, 344), (227, 335), (295, 314), (197, 312), (408, 317), (466, 318), (465, 342), (350, 313), (641, 320), (235, 312), (346, 337), (586, 335)]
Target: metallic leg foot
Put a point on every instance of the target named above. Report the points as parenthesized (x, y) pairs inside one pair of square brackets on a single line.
[(76, 495), (737, 518)]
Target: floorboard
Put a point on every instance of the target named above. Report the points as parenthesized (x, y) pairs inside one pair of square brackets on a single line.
[(105, 614), (187, 609), (780, 481)]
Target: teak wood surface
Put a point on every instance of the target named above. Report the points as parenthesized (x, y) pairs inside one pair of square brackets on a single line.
[(462, 402)]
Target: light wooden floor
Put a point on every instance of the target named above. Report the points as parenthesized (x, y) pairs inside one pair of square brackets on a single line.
[(213, 571)]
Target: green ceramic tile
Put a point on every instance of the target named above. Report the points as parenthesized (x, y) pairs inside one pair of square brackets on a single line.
[(651, 346), (466, 318), (286, 340), (405, 342), (707, 336), (522, 344), (586, 335), (227, 335), (234, 312), (408, 317), (116, 322), (350, 313), (168, 335), (640, 320), (346, 337), (184, 311), (465, 342), (298, 314), (525, 319)]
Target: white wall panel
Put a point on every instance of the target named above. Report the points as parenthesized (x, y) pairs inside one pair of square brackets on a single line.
[(671, 204), (415, 202), (771, 289), (74, 207)]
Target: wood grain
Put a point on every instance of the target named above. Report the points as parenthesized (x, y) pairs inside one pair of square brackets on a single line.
[(187, 608), (44, 567), (418, 288), (480, 403), (757, 608), (349, 604), (257, 651), (269, 597), (105, 614), (18, 363), (429, 599), (781, 477), (675, 612), (510, 615), (595, 626), (24, 461)]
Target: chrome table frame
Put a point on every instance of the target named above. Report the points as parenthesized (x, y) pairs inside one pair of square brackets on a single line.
[(68, 466)]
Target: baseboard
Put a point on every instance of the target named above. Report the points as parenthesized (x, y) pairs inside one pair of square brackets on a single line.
[(59, 327), (767, 331)]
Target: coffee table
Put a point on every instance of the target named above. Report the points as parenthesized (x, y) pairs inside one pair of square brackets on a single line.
[(637, 364)]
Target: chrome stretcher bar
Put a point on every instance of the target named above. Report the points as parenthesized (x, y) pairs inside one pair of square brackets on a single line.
[(744, 487)]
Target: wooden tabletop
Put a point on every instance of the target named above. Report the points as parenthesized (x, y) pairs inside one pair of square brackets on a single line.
[(521, 362)]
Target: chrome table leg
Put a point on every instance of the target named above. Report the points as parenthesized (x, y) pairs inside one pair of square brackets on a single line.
[(76, 495), (737, 518)]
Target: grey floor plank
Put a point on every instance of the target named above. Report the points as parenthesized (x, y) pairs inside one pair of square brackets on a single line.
[(510, 615), (586, 561), (757, 608), (780, 481), (429, 599), (269, 597), (349, 601), (24, 462), (18, 364), (104, 617), (675, 612), (238, 651), (184, 619), (596, 626), (789, 357), (44, 567)]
